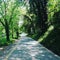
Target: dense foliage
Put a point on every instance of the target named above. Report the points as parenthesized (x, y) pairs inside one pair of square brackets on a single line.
[(40, 19), (9, 18), (42, 22)]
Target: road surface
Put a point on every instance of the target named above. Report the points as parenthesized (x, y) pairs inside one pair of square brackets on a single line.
[(28, 49)]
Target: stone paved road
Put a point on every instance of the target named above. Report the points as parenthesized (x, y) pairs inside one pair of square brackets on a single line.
[(28, 49)]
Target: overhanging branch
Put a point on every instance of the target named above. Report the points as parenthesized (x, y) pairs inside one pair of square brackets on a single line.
[(2, 23)]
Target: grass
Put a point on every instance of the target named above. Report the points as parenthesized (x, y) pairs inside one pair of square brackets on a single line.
[(4, 42)]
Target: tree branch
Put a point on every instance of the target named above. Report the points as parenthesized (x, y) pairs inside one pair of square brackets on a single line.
[(2, 23), (12, 13)]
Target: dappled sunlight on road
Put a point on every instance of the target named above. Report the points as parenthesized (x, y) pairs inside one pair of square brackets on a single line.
[(28, 49)]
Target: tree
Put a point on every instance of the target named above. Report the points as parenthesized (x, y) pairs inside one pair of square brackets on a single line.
[(29, 24), (7, 14), (39, 8), (36, 17)]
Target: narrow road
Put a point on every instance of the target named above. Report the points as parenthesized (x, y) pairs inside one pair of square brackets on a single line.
[(29, 49)]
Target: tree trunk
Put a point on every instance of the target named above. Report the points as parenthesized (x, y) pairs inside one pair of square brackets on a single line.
[(7, 33), (12, 33), (17, 33), (7, 30)]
